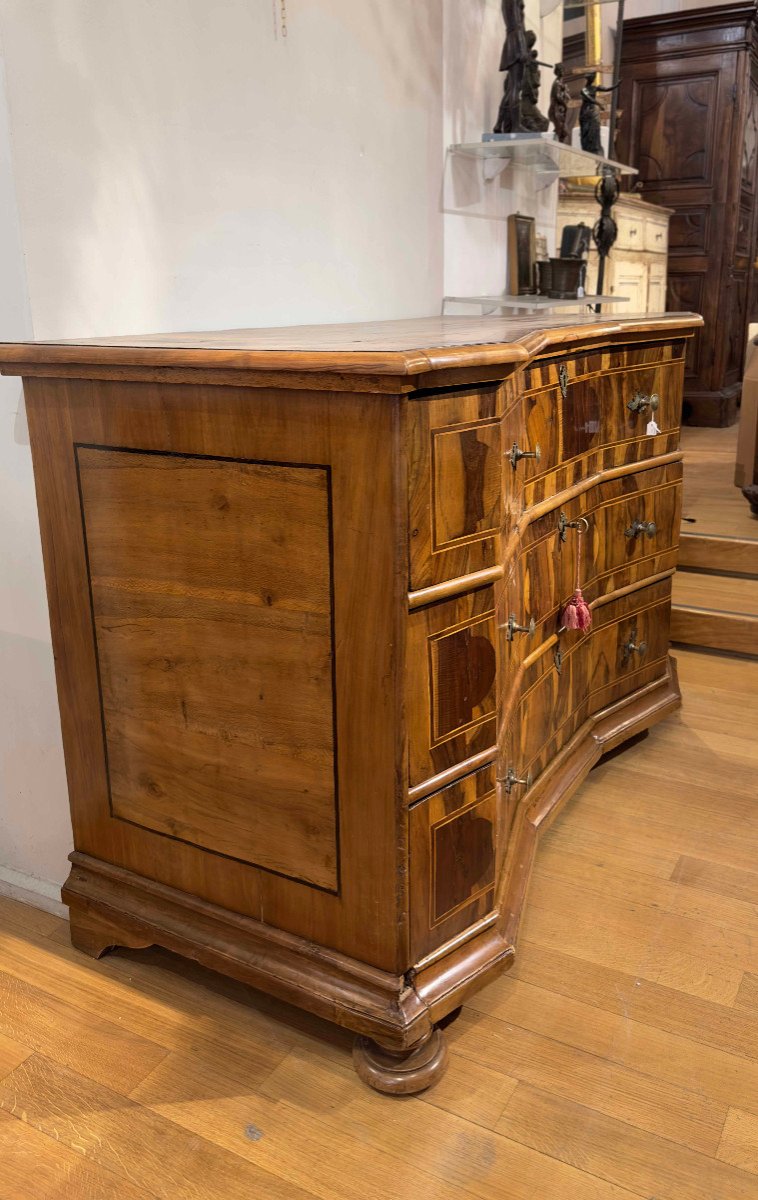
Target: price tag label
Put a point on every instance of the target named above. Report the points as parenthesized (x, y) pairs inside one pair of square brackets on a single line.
[(652, 429)]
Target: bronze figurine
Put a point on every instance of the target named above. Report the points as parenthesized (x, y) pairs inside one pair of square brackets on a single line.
[(513, 60), (559, 102), (531, 117), (589, 115)]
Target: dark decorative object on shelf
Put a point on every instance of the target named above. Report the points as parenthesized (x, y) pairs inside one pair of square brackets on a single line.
[(589, 114), (513, 60), (566, 278), (559, 102), (521, 255), (531, 117), (544, 269), (575, 240)]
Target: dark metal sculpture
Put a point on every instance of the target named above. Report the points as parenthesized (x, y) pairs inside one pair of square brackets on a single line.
[(559, 102), (531, 117), (513, 60), (589, 114), (605, 230)]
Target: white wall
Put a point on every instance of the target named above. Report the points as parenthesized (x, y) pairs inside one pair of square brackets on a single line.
[(35, 831), (178, 166)]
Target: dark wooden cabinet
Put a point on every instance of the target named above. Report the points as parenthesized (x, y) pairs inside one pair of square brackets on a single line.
[(305, 591), (689, 122)]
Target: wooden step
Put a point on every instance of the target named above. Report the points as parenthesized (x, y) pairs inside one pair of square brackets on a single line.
[(716, 611), (710, 552)]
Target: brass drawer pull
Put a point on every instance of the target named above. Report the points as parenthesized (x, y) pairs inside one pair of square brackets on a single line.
[(633, 647), (512, 626), (639, 527), (641, 403), (516, 454), (564, 524), (511, 780)]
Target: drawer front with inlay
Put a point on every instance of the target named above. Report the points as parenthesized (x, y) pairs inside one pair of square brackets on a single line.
[(451, 691), (454, 848), (581, 673), (610, 410), (633, 531), (455, 484)]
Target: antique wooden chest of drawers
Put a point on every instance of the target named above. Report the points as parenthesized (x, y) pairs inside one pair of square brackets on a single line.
[(306, 590)]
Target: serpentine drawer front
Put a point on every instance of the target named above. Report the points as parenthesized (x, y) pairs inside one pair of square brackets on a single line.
[(306, 591)]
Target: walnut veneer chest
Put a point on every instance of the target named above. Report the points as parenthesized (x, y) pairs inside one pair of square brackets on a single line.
[(305, 588)]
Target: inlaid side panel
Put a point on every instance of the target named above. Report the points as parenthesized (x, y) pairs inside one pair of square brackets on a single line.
[(211, 585), (452, 683), (454, 839)]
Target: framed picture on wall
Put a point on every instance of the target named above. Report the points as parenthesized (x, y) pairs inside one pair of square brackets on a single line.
[(521, 255)]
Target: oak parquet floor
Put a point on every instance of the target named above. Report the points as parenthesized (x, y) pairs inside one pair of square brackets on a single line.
[(618, 1060)]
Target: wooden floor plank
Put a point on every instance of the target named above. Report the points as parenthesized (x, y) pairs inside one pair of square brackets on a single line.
[(739, 1141), (36, 1167), (715, 1077), (596, 1077), (450, 1149), (11, 1054), (28, 919), (131, 1141), (300, 1148), (700, 874), (619, 1153), (627, 996), (585, 873), (97, 1047), (747, 995)]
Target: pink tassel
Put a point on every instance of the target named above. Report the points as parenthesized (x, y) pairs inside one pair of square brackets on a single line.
[(577, 613)]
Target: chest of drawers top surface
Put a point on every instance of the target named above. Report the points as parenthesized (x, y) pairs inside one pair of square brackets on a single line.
[(410, 347)]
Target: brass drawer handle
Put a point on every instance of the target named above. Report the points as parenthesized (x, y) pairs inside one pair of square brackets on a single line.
[(640, 402), (511, 780), (512, 626), (639, 527), (633, 647), (516, 454)]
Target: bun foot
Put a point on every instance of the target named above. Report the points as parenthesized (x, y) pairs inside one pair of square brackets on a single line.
[(403, 1072)]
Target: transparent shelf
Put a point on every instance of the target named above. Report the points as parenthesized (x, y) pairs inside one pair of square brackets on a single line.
[(538, 152), (493, 303)]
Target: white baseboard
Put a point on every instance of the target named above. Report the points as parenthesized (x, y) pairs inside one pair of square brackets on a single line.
[(30, 890)]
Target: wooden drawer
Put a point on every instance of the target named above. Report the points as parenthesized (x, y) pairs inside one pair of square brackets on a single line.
[(656, 236), (544, 576), (596, 410), (531, 427), (455, 483), (633, 531), (452, 656), (582, 673), (631, 232), (455, 845)]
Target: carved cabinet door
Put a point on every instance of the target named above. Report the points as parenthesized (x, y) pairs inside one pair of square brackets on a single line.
[(677, 128)]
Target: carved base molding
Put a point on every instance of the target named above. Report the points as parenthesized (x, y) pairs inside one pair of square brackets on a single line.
[(400, 1048)]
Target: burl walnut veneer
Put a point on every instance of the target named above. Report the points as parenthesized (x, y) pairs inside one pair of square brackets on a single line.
[(305, 588)]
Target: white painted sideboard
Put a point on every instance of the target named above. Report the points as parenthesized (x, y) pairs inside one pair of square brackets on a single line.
[(637, 265)]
